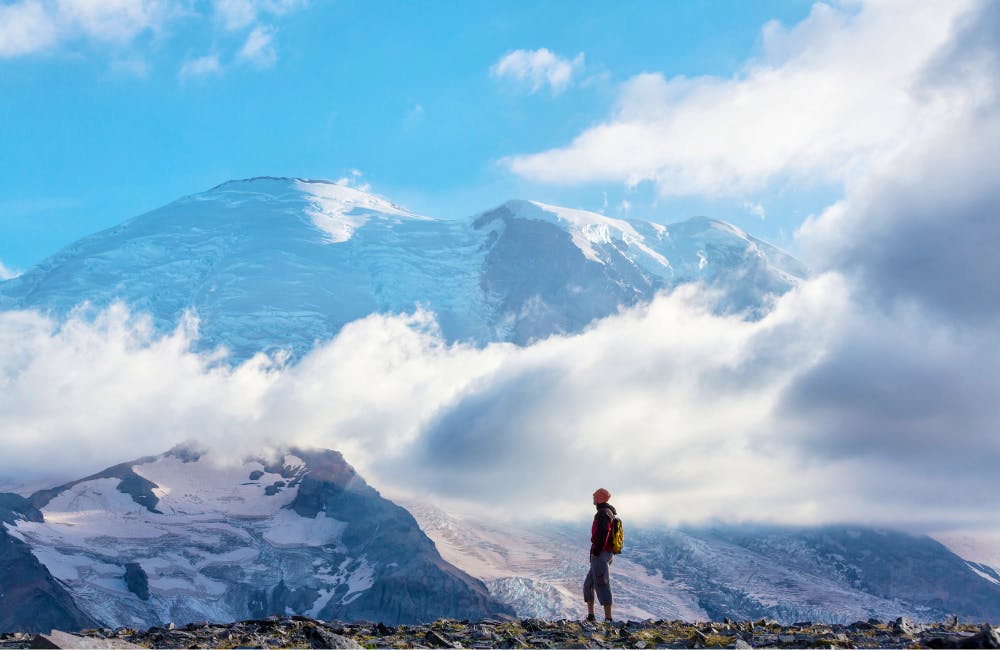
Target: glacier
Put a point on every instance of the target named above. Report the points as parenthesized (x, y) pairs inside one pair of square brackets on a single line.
[(271, 264)]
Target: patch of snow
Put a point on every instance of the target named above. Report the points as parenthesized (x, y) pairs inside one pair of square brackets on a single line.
[(589, 228), (360, 579), (288, 528), (982, 574), (325, 595), (208, 491), (339, 210), (95, 509)]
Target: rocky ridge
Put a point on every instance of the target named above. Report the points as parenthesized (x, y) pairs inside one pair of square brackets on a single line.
[(303, 632)]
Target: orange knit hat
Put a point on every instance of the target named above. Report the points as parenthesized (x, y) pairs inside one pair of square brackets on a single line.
[(602, 495)]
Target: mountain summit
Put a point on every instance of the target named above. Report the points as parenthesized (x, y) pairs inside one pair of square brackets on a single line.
[(271, 263)]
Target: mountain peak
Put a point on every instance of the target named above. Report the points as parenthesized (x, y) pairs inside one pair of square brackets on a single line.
[(273, 263), (702, 223), (336, 208)]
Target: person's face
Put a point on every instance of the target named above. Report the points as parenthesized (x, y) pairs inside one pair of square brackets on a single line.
[(595, 499)]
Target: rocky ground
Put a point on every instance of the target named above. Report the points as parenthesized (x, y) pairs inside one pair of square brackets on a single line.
[(301, 632)]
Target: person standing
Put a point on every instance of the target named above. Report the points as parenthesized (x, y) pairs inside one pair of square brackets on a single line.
[(599, 577)]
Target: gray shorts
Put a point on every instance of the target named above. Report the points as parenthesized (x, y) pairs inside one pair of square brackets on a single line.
[(599, 579)]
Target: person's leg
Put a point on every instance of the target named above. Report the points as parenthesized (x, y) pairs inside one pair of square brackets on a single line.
[(601, 568), (607, 606), (588, 594)]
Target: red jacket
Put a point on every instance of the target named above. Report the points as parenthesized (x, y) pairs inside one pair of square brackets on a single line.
[(600, 530)]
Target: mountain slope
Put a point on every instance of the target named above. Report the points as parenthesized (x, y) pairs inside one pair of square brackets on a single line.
[(199, 538), (272, 263), (831, 574)]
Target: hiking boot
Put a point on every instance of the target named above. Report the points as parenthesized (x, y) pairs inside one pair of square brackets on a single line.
[(590, 618), (609, 621)]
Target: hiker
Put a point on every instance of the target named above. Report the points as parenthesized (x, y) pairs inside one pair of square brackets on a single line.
[(601, 554)]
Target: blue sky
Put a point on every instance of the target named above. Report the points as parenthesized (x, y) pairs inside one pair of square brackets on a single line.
[(112, 115)]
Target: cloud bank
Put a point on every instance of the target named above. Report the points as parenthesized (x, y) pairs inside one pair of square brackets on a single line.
[(684, 415), (824, 100)]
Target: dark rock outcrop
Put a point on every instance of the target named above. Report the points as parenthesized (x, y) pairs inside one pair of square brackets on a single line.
[(136, 580), (412, 582), (31, 600), (140, 489)]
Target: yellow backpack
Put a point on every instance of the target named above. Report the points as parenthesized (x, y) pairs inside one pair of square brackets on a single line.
[(617, 535)]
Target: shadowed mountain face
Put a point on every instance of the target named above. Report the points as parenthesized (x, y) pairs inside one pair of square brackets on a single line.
[(182, 537), (282, 263), (31, 600)]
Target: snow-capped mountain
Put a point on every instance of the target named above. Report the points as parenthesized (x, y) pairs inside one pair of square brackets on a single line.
[(832, 573), (272, 263), (183, 536)]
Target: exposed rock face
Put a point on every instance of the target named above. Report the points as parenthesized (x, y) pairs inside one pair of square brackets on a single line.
[(179, 537), (31, 600), (392, 540)]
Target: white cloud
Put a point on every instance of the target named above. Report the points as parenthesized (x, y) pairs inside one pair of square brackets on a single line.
[(259, 48), (204, 66), (354, 179), (826, 99), (921, 226), (115, 26), (7, 273), (414, 116), (240, 14), (536, 69), (34, 26), (756, 209), (117, 21), (25, 28)]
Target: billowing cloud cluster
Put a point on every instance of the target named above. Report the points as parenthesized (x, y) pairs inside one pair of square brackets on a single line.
[(824, 100), (536, 69), (685, 415)]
